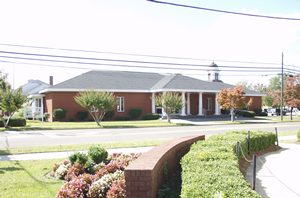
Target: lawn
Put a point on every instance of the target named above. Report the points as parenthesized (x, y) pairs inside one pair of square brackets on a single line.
[(286, 118), (80, 147), (28, 179), (38, 125)]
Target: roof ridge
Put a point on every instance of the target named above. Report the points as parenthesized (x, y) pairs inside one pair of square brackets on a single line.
[(164, 81)]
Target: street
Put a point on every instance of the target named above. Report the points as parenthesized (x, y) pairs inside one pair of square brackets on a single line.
[(11, 139)]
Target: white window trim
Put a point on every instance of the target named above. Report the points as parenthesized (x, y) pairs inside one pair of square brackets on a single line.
[(121, 99)]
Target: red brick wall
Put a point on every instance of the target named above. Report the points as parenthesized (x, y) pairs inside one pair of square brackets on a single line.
[(257, 102), (144, 176), (65, 100)]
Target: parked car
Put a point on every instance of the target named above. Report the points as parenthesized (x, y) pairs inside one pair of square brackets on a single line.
[(275, 112)]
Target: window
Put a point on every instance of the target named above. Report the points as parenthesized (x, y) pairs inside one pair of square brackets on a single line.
[(209, 104), (120, 104), (38, 102)]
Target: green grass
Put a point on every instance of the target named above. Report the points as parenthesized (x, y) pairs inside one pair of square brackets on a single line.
[(79, 147), (38, 125), (286, 118), (28, 179)]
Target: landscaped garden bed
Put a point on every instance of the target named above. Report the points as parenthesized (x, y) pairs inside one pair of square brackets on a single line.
[(94, 174), (211, 168)]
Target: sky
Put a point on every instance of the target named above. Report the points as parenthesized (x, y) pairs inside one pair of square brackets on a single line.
[(142, 27)]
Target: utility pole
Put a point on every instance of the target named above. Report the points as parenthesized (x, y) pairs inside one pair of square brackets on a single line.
[(281, 102)]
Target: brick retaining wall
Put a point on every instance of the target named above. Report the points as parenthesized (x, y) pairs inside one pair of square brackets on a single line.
[(144, 176)]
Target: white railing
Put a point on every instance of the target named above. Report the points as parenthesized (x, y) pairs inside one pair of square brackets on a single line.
[(33, 112)]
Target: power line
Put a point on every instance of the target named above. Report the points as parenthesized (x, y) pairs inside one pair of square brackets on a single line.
[(89, 68), (130, 66), (225, 11), (126, 61), (134, 54)]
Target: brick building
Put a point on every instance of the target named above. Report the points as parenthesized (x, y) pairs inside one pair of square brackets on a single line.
[(137, 90)]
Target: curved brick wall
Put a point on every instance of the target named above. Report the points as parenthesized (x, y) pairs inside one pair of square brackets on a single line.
[(145, 175)]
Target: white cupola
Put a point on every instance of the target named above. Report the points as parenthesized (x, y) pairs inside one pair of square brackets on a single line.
[(214, 73)]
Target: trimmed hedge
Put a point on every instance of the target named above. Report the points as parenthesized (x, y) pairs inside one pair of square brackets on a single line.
[(135, 113), (151, 116), (59, 114), (211, 167), (245, 113), (15, 122)]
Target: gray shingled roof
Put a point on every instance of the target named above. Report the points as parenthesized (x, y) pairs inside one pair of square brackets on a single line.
[(116, 80), (132, 81)]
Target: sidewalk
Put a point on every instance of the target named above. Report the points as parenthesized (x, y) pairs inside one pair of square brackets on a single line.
[(57, 155), (278, 173)]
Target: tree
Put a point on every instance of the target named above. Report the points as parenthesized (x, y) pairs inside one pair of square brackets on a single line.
[(232, 99), (97, 103), (292, 93), (170, 102), (10, 102), (4, 85)]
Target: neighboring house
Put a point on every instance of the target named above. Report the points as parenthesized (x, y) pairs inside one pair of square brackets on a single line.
[(138, 90), (35, 105)]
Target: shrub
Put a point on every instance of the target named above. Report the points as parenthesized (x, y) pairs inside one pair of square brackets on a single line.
[(78, 187), (97, 153), (211, 168), (245, 113), (100, 187), (117, 189), (59, 114), (298, 136), (74, 171), (122, 118), (46, 116), (82, 115), (78, 157), (135, 113), (108, 115), (14, 122), (151, 116)]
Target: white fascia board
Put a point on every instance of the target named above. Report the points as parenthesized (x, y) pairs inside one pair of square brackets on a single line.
[(108, 90), (35, 96), (258, 94)]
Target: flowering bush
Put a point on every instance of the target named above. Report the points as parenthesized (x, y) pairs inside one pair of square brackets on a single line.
[(74, 171), (102, 185), (93, 180), (117, 189), (76, 188), (60, 170)]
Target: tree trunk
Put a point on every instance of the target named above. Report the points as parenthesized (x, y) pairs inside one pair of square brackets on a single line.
[(6, 122), (292, 113), (168, 118), (232, 115)]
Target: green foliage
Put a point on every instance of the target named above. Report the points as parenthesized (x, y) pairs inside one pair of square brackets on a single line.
[(151, 116), (79, 158), (59, 114), (135, 113), (10, 102), (170, 102), (211, 166), (82, 115), (166, 192), (298, 136), (97, 103), (15, 122), (109, 114), (97, 153), (245, 113), (122, 118)]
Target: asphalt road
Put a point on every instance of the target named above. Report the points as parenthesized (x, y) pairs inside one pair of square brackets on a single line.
[(12, 139)]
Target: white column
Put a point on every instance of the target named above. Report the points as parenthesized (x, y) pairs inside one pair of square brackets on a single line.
[(162, 109), (153, 102), (183, 109), (217, 107), (42, 108), (188, 103), (200, 107)]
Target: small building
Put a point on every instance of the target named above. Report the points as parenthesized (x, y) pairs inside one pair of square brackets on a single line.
[(138, 90), (34, 109)]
